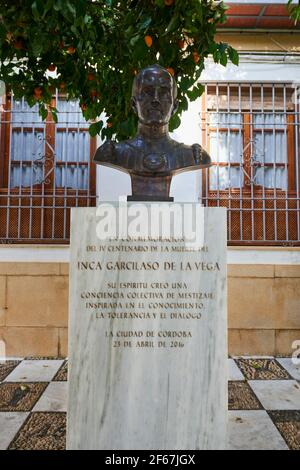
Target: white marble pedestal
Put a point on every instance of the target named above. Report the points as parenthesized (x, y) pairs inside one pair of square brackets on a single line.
[(147, 333)]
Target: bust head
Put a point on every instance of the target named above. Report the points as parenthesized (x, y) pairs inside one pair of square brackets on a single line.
[(152, 157), (154, 95)]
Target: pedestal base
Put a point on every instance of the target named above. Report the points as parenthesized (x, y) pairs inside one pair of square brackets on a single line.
[(148, 334), (150, 198)]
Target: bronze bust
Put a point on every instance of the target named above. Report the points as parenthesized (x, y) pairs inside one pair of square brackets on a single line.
[(152, 158)]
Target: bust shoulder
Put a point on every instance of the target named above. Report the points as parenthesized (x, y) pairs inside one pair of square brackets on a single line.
[(201, 156), (120, 155), (188, 156), (106, 152)]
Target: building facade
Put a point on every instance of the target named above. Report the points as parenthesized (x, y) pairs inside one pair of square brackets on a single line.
[(248, 120)]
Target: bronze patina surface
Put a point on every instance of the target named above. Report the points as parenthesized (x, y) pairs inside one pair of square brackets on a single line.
[(152, 158)]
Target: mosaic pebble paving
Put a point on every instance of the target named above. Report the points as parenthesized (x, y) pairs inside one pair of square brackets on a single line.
[(46, 430)]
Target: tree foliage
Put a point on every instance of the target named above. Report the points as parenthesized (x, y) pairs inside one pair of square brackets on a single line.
[(91, 51), (294, 10)]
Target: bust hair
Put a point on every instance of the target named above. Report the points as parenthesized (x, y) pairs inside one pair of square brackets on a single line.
[(138, 79)]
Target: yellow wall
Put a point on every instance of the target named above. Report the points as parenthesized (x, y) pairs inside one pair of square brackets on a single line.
[(262, 42), (263, 309)]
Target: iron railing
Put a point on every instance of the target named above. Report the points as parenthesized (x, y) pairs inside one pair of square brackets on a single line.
[(45, 170), (252, 133)]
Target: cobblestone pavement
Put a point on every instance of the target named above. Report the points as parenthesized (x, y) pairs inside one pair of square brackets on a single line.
[(263, 403)]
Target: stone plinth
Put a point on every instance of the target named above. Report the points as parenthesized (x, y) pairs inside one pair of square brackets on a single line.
[(148, 330)]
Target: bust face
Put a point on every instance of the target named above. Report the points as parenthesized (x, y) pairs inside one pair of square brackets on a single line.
[(153, 97)]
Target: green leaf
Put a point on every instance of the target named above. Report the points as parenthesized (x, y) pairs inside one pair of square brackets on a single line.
[(145, 23), (37, 47), (48, 7), (196, 92), (186, 83), (43, 112), (54, 115), (201, 89), (71, 7), (184, 104), (173, 25), (223, 59), (95, 128), (175, 122), (35, 10), (233, 56), (58, 5), (134, 40), (140, 50)]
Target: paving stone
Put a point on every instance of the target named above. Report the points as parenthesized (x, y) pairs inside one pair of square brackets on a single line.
[(241, 397), (54, 398), (277, 394), (262, 369), (291, 366), (20, 396), (253, 430), (288, 423), (10, 424), (34, 371), (6, 367), (42, 431), (62, 374), (234, 372)]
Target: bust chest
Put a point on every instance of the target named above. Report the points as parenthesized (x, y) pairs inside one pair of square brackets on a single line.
[(154, 160)]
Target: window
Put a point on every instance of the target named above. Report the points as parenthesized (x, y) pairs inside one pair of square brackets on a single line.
[(45, 170), (252, 133)]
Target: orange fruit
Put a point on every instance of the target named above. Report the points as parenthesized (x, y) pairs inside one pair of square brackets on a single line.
[(93, 92), (19, 44), (171, 71), (148, 41), (62, 86), (52, 67), (90, 76), (38, 92), (196, 57), (71, 50), (169, 2)]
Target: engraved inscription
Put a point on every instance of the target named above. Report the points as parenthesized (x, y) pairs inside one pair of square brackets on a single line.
[(160, 300)]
